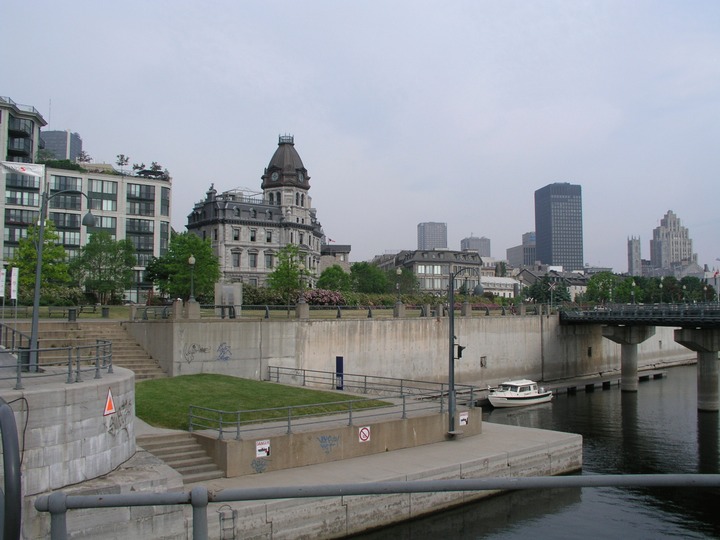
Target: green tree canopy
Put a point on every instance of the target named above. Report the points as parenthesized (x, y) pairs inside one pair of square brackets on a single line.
[(602, 287), (406, 279), (55, 276), (173, 274), (368, 278), (104, 266), (334, 278), (545, 291), (288, 277)]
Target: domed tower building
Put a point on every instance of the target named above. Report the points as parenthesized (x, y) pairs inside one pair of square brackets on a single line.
[(247, 229)]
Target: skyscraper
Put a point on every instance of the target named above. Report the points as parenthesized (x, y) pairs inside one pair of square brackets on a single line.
[(671, 243), (62, 144), (431, 235), (558, 225), (634, 257), (473, 243)]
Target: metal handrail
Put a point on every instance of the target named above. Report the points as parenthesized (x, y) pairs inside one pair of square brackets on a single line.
[(75, 361), (292, 418), (366, 384), (200, 497)]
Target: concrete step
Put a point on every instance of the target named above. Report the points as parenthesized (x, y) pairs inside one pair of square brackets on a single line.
[(183, 453)]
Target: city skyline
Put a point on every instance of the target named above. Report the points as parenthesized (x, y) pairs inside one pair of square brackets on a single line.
[(457, 116)]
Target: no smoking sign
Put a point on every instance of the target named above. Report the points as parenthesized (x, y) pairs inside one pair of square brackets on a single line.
[(364, 434)]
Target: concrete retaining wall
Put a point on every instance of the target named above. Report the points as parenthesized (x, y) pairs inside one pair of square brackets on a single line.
[(498, 348), (239, 458)]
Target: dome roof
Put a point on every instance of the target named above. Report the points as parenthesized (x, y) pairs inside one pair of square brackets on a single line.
[(286, 157)]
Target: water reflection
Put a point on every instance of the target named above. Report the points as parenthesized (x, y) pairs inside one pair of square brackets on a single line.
[(656, 430)]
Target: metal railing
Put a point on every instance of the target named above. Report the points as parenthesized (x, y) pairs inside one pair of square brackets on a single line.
[(298, 417), (368, 384), (703, 315), (69, 362), (58, 503)]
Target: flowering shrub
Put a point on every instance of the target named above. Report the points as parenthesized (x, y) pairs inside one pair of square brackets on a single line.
[(323, 297)]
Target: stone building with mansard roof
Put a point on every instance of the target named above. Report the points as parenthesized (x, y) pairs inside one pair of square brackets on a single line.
[(247, 229)]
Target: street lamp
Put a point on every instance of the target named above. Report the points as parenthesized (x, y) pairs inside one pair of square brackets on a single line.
[(632, 291), (191, 262), (451, 340), (88, 221), (398, 273), (685, 294)]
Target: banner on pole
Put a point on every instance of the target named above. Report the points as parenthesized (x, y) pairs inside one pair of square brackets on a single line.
[(3, 277), (14, 282), (31, 169)]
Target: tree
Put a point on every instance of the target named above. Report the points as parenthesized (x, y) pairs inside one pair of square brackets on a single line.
[(105, 266), (368, 278), (334, 278), (173, 274), (122, 161), (407, 281), (55, 277), (83, 157), (543, 291), (287, 278), (601, 287)]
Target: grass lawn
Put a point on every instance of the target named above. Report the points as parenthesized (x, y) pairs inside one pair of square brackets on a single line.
[(166, 402)]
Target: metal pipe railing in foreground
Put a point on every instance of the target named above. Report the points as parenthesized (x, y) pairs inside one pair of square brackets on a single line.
[(200, 497)]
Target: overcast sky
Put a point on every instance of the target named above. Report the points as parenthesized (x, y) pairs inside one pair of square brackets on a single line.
[(402, 112)]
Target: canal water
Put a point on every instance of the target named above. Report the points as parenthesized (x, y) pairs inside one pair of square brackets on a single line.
[(657, 430)]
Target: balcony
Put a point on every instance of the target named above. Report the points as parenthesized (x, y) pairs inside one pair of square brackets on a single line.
[(20, 147), (20, 127)]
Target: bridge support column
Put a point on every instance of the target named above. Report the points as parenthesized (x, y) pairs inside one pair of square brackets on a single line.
[(629, 337), (706, 343)]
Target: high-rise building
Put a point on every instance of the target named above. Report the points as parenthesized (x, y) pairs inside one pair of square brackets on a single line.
[(524, 254), (432, 235), (671, 243), (248, 229), (558, 225), (634, 257), (19, 131), (62, 144), (473, 243)]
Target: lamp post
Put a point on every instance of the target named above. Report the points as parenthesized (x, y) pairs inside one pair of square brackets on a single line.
[(685, 294), (88, 221), (451, 342), (632, 291), (191, 262), (661, 288), (398, 273)]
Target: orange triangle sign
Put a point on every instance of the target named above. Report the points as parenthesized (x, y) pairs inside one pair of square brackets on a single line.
[(109, 404)]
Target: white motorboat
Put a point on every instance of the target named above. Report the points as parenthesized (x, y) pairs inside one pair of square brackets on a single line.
[(518, 394)]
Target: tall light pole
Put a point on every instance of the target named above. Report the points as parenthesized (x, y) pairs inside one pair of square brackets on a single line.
[(398, 273), (633, 291), (191, 262), (451, 342), (88, 221)]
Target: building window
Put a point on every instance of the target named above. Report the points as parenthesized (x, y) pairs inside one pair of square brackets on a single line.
[(215, 234), (252, 260), (165, 202), (236, 234), (302, 237), (253, 235), (236, 259), (22, 198), (268, 260), (268, 236), (272, 199)]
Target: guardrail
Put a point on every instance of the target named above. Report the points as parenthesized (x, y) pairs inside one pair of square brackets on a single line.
[(58, 503), (70, 362), (299, 416), (702, 315), (367, 384)]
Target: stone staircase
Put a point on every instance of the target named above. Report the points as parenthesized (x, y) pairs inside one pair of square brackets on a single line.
[(184, 454), (126, 352)]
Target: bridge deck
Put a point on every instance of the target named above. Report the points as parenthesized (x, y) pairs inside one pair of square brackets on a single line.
[(705, 315)]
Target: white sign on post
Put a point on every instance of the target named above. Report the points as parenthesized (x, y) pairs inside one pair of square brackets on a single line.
[(3, 277), (14, 283)]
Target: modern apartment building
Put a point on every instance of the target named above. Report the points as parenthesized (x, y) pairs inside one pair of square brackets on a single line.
[(62, 144), (127, 207), (558, 226), (473, 243), (248, 229), (19, 131), (431, 235)]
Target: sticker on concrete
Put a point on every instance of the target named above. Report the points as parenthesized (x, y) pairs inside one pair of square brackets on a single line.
[(464, 418), (109, 404), (364, 434), (262, 448)]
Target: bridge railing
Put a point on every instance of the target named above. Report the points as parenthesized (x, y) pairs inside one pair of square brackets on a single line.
[(702, 314)]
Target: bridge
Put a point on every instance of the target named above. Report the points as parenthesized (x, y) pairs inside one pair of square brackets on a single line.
[(698, 329)]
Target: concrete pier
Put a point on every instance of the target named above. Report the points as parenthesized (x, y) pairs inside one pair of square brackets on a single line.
[(629, 337), (706, 343)]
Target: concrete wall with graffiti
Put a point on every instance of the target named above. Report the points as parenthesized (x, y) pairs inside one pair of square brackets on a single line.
[(498, 348)]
